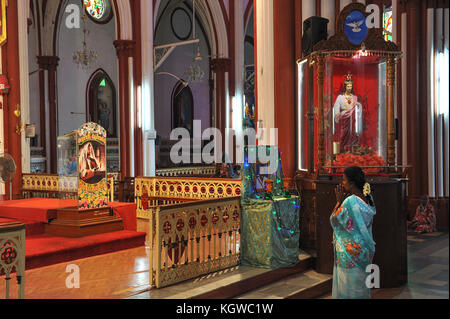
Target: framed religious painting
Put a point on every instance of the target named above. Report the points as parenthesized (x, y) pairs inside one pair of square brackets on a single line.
[(92, 177)]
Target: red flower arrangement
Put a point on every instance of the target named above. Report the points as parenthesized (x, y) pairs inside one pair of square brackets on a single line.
[(349, 159)]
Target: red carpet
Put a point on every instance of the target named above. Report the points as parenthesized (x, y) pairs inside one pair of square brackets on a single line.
[(32, 227), (44, 209), (44, 250), (36, 209)]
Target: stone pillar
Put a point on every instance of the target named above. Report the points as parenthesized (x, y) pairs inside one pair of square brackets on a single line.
[(42, 113), (284, 82), (220, 66), (264, 69), (12, 102), (50, 63), (125, 49), (414, 89)]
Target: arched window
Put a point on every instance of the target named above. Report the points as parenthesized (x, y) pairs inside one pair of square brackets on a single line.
[(182, 107), (102, 102), (99, 11)]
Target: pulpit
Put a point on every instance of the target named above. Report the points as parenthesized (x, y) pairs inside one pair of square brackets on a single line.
[(82, 170)]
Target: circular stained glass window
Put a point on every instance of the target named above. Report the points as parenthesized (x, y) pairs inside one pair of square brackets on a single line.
[(99, 10)]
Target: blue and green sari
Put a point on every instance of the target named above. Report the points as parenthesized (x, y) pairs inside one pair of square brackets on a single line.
[(354, 248)]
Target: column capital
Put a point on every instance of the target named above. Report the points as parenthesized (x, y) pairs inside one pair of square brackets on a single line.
[(125, 48), (49, 63), (220, 65)]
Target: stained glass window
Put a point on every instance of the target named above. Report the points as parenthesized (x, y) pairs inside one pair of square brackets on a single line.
[(387, 23), (96, 8)]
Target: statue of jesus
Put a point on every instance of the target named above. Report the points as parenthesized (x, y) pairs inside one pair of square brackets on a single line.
[(347, 115)]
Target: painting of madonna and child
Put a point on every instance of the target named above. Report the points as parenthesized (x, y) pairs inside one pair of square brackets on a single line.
[(91, 155), (355, 113)]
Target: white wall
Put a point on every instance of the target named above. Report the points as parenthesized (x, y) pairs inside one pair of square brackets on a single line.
[(71, 80), (177, 63), (265, 69)]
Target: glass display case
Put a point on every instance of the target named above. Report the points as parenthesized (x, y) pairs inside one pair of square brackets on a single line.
[(82, 166), (67, 163), (346, 116), (346, 105)]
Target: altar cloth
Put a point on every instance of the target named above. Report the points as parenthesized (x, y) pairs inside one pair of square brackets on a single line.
[(44, 209), (270, 232)]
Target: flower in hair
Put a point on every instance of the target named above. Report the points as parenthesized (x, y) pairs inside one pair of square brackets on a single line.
[(366, 189)]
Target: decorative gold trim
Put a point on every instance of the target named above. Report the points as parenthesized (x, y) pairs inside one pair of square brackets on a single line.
[(193, 239), (12, 257), (186, 171), (43, 185), (3, 30), (154, 191)]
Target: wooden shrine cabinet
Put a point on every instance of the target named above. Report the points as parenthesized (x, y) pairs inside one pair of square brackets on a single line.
[(346, 118)]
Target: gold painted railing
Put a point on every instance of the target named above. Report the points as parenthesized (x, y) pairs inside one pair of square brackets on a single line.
[(186, 171), (154, 191), (54, 186), (193, 239)]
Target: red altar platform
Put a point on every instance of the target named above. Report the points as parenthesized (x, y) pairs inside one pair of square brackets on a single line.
[(44, 209), (42, 249)]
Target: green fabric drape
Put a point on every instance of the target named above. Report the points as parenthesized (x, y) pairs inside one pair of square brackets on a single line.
[(249, 172), (270, 232)]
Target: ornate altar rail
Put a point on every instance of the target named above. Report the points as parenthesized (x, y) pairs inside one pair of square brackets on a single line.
[(54, 186), (153, 191), (186, 171), (193, 239), (12, 255)]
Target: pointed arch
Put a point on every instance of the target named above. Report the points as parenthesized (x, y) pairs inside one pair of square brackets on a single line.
[(101, 102), (55, 14), (214, 23)]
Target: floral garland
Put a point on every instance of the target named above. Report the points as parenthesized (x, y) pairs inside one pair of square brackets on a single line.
[(91, 128), (349, 159)]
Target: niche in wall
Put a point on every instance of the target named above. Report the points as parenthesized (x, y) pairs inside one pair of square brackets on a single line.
[(182, 107), (102, 107)]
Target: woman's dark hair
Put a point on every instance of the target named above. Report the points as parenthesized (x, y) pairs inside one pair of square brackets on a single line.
[(356, 176)]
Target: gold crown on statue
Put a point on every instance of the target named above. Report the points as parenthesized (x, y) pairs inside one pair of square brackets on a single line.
[(348, 79)]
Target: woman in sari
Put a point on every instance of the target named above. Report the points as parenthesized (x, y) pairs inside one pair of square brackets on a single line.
[(425, 219), (354, 247)]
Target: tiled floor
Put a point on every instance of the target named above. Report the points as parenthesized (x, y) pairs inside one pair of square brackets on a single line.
[(427, 269), (124, 274)]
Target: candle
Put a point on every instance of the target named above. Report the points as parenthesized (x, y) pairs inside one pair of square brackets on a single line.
[(336, 148)]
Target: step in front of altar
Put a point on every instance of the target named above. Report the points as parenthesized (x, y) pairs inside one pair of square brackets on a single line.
[(74, 223), (304, 285), (236, 282)]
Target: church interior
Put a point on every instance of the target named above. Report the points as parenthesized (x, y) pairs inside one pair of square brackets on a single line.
[(194, 149)]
